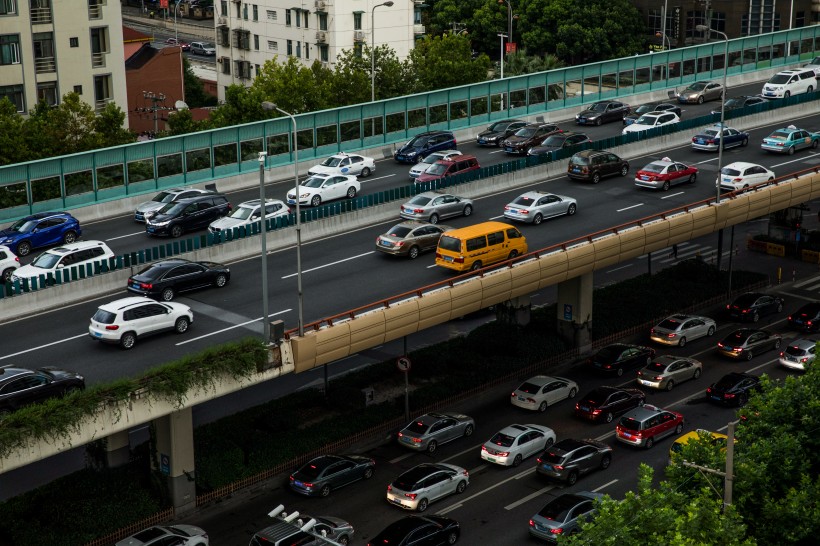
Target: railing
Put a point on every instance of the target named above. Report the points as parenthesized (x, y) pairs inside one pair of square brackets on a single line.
[(99, 105), (43, 65), (41, 16), (95, 11), (98, 60)]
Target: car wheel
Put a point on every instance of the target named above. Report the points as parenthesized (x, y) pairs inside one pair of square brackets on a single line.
[(779, 307), (606, 460), (422, 505), (572, 209), (316, 201), (810, 89), (620, 372), (413, 253), (548, 443), (344, 540), (700, 99), (649, 443), (742, 399), (23, 248), (756, 317), (814, 144), (167, 294), (468, 430), (366, 172), (572, 393), (177, 231), (749, 355), (181, 325), (462, 485), (745, 142), (608, 418), (711, 331), (432, 446), (679, 428), (543, 406), (670, 385), (596, 178), (468, 210), (693, 178), (128, 340), (325, 491), (665, 186), (624, 170), (351, 192), (777, 344), (512, 255), (696, 375), (221, 280), (682, 342), (476, 266), (791, 150), (787, 94), (572, 478), (7, 274), (69, 237), (452, 538), (517, 460), (598, 122), (419, 158), (538, 219), (434, 218), (368, 473)]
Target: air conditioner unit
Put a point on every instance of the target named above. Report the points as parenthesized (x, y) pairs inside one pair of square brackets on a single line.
[(320, 4), (321, 36), (223, 20), (359, 36), (219, 60)]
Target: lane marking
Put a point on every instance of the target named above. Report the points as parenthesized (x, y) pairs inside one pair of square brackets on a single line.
[(124, 236), (400, 458), (619, 268), (807, 281), (799, 296), (631, 207), (43, 346), (496, 217), (487, 490), (460, 453), (673, 195), (231, 328), (529, 497), (330, 264), (604, 486), (793, 161)]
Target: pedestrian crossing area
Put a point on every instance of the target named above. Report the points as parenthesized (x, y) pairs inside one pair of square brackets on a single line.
[(812, 284), (685, 251)]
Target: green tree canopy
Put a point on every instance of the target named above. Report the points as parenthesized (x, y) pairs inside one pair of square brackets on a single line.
[(444, 61)]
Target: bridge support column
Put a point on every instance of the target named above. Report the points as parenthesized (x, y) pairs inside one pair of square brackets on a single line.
[(117, 449), (175, 457), (575, 311), (515, 311)]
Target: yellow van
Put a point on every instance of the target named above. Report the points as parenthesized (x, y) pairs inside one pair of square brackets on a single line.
[(473, 247)]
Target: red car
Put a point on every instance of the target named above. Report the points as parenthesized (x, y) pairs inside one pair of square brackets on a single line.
[(646, 425), (661, 174), (173, 42)]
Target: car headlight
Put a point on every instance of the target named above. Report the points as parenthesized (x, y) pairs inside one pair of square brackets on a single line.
[(577, 116), (165, 223), (411, 154), (303, 195), (593, 116)]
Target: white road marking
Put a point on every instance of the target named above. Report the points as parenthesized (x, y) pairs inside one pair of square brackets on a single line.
[(529, 497), (604, 486), (619, 268), (124, 236), (807, 281), (331, 263), (706, 161), (460, 453), (496, 217), (487, 490), (793, 161), (673, 195), (43, 346), (400, 458), (230, 328), (632, 207)]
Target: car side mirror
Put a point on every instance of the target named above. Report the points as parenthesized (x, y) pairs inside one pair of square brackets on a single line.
[(60, 266), (256, 217)]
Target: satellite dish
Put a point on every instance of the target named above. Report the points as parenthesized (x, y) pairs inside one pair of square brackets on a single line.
[(180, 105)]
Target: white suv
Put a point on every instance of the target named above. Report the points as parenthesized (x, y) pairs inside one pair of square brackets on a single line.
[(74, 255), (790, 82), (247, 213), (124, 321), (8, 263)]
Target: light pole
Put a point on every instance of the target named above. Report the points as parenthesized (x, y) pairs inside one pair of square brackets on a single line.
[(509, 17), (663, 21), (271, 106), (387, 4), (176, 30), (264, 238), (704, 28)]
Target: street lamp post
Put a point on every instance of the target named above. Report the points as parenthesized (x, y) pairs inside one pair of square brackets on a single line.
[(264, 238), (271, 106), (704, 28), (663, 21), (509, 17), (387, 4)]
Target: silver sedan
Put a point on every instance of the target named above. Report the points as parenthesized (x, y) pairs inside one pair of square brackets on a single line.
[(680, 329), (427, 432), (540, 391), (534, 206), (701, 91), (433, 206), (666, 371)]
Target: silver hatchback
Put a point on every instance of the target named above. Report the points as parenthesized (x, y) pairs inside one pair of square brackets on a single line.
[(799, 354), (433, 206), (425, 483), (427, 432)]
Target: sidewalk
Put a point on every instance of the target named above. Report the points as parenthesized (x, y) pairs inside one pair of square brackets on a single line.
[(188, 28)]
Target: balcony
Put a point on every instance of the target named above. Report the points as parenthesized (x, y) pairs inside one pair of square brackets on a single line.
[(43, 65), (98, 60), (418, 29), (95, 10), (99, 105), (41, 16)]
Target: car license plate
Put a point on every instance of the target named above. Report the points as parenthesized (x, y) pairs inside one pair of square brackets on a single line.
[(385, 243), (97, 334), (626, 435), (396, 501), (581, 121), (151, 230), (514, 211), (448, 258), (718, 398), (584, 408), (406, 439), (482, 141), (769, 93), (508, 149), (298, 484), (576, 169), (520, 399), (643, 177), (598, 365), (700, 141), (547, 467), (491, 459)]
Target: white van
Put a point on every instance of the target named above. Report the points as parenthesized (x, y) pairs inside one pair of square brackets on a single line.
[(76, 254), (790, 82)]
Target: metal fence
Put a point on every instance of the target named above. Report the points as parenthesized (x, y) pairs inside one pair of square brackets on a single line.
[(113, 173)]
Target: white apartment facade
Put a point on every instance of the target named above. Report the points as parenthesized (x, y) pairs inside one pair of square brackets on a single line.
[(51, 47), (250, 33)]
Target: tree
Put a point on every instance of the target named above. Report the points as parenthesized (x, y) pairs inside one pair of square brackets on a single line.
[(182, 122), (662, 515), (195, 95), (65, 129), (13, 144), (444, 15), (109, 126), (242, 105), (444, 61), (291, 86), (518, 63)]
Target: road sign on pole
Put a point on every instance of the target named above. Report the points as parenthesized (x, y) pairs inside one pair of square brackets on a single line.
[(403, 364)]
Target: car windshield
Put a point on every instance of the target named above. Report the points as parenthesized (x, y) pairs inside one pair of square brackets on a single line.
[(738, 338), (609, 353), (399, 231), (793, 350), (417, 142), (242, 213), (164, 197), (669, 324), (449, 243), (524, 201), (726, 382), (596, 398), (420, 200), (499, 126), (697, 86), (502, 440), (647, 120), (745, 300), (525, 132), (780, 135), (310, 471), (711, 132), (735, 103), (630, 423), (46, 260), (331, 162), (728, 171), (779, 79), (654, 168), (209, 45), (645, 108), (554, 140), (172, 208), (23, 226), (313, 182), (553, 458), (558, 509), (436, 169), (599, 106), (417, 427), (529, 388), (656, 367), (579, 160), (430, 159), (104, 317)]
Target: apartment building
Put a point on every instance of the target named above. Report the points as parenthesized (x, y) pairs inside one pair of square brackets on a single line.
[(250, 33), (49, 48)]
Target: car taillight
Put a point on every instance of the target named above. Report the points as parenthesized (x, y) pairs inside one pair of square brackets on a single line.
[(503, 453), (728, 395), (596, 412), (532, 523), (459, 260), (416, 440), (804, 359), (112, 327), (720, 345), (708, 390), (556, 531), (16, 259), (523, 212), (411, 496), (671, 335), (438, 254), (658, 377), (418, 211), (483, 448), (389, 488), (146, 285)]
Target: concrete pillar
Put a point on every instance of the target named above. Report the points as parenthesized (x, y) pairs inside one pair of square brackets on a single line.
[(117, 449), (515, 311), (175, 457), (575, 311)]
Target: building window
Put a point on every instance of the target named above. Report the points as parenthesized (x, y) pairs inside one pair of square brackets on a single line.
[(290, 47), (323, 53), (102, 90), (15, 94), (256, 42), (258, 68), (357, 49), (78, 89), (271, 15), (298, 48), (322, 21), (40, 11), (223, 8), (74, 42), (273, 46), (43, 52), (47, 93), (245, 11), (226, 65), (255, 12), (242, 69), (8, 7), (357, 21), (99, 46), (223, 35), (693, 19), (800, 19), (287, 17), (298, 18), (242, 39), (306, 14), (307, 50), (10, 49)]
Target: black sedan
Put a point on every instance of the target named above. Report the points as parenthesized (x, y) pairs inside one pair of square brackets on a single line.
[(422, 530), (746, 342), (733, 389), (327, 472), (602, 112), (604, 403), (20, 387), (619, 357), (560, 141), (741, 102), (753, 305), (807, 318), (498, 132), (649, 108), (167, 278)]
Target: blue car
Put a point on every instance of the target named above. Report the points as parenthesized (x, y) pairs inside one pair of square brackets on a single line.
[(39, 230), (790, 139), (709, 139)]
